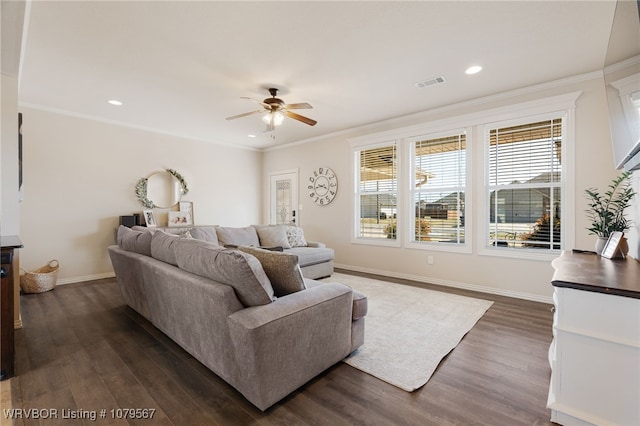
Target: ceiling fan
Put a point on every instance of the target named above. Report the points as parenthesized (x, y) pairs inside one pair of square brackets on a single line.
[(275, 110)]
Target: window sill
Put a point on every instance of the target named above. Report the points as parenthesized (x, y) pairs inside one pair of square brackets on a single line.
[(522, 254), (446, 247), (382, 242)]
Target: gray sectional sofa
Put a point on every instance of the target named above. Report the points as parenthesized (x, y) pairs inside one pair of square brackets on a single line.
[(316, 259), (246, 313)]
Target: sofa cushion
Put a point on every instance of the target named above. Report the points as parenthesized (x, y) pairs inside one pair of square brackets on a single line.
[(205, 233), (282, 269), (312, 256), (360, 305), (272, 236), (135, 241), (162, 246), (359, 301), (295, 236), (246, 236), (239, 270)]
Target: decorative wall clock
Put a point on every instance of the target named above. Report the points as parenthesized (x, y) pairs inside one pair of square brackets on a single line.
[(323, 186)]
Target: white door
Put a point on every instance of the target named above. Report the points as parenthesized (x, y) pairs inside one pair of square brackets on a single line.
[(283, 205)]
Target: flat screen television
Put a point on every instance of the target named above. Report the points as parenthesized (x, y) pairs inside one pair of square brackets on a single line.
[(622, 84)]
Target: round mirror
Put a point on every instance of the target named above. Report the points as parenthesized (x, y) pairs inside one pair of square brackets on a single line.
[(161, 190)]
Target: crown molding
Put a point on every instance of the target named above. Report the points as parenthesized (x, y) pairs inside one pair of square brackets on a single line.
[(402, 120), (130, 126)]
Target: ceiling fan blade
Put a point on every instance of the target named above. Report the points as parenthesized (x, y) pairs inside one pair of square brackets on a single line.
[(244, 114), (302, 105), (299, 117), (256, 101)]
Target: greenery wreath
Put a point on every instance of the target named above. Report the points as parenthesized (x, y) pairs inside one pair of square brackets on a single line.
[(184, 189), (141, 189)]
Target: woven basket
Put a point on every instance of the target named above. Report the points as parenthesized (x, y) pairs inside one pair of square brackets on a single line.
[(40, 280)]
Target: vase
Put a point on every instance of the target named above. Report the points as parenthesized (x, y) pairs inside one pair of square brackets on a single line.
[(600, 243)]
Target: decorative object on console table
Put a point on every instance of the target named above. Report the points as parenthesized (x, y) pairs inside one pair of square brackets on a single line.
[(179, 219), (606, 212), (149, 219), (613, 248), (187, 206), (128, 221)]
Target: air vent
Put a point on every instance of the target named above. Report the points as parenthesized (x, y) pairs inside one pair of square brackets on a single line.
[(430, 82)]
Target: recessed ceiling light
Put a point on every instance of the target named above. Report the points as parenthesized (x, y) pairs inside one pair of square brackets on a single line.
[(473, 70), (115, 102), (251, 136)]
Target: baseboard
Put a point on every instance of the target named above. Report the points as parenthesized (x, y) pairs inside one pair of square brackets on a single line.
[(447, 283), (418, 278), (80, 279)]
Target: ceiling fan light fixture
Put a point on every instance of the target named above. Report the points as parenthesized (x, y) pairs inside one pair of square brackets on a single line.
[(274, 118)]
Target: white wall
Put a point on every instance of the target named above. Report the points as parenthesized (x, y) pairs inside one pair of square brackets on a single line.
[(80, 175), (9, 221), (633, 235), (522, 278)]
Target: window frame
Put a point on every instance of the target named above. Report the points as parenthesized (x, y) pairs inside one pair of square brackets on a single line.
[(477, 168), (466, 246), (567, 197), (356, 194)]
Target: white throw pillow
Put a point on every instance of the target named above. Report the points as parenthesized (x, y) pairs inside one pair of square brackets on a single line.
[(295, 235)]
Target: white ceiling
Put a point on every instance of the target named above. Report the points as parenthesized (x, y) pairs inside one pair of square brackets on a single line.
[(181, 67)]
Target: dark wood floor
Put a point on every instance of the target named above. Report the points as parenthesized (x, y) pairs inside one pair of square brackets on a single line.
[(82, 348)]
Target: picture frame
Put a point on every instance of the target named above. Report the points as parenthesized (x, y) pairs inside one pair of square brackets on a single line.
[(612, 248), (187, 206), (179, 218), (149, 219)]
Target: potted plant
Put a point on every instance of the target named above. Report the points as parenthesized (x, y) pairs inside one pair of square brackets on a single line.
[(606, 211)]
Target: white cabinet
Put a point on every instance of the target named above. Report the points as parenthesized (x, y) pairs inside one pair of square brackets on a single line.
[(595, 354)]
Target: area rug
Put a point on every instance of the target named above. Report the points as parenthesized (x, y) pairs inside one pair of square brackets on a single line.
[(409, 330)]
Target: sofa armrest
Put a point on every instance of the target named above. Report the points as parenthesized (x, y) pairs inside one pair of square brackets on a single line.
[(316, 244), (293, 304), (282, 345)]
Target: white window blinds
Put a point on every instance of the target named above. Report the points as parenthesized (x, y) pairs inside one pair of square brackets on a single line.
[(438, 192), (525, 185), (377, 192)]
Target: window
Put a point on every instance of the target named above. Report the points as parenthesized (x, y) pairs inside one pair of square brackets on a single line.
[(377, 192), (425, 186), (438, 189), (524, 188)]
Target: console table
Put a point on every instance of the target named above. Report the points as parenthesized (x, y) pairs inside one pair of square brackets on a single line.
[(595, 352), (9, 274)]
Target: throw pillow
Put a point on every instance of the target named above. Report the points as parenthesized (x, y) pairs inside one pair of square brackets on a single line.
[(246, 236), (135, 241), (162, 246), (205, 233), (295, 235), (273, 236), (231, 267), (282, 269)]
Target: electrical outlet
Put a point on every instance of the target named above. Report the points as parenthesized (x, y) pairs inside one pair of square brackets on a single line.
[(430, 260)]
